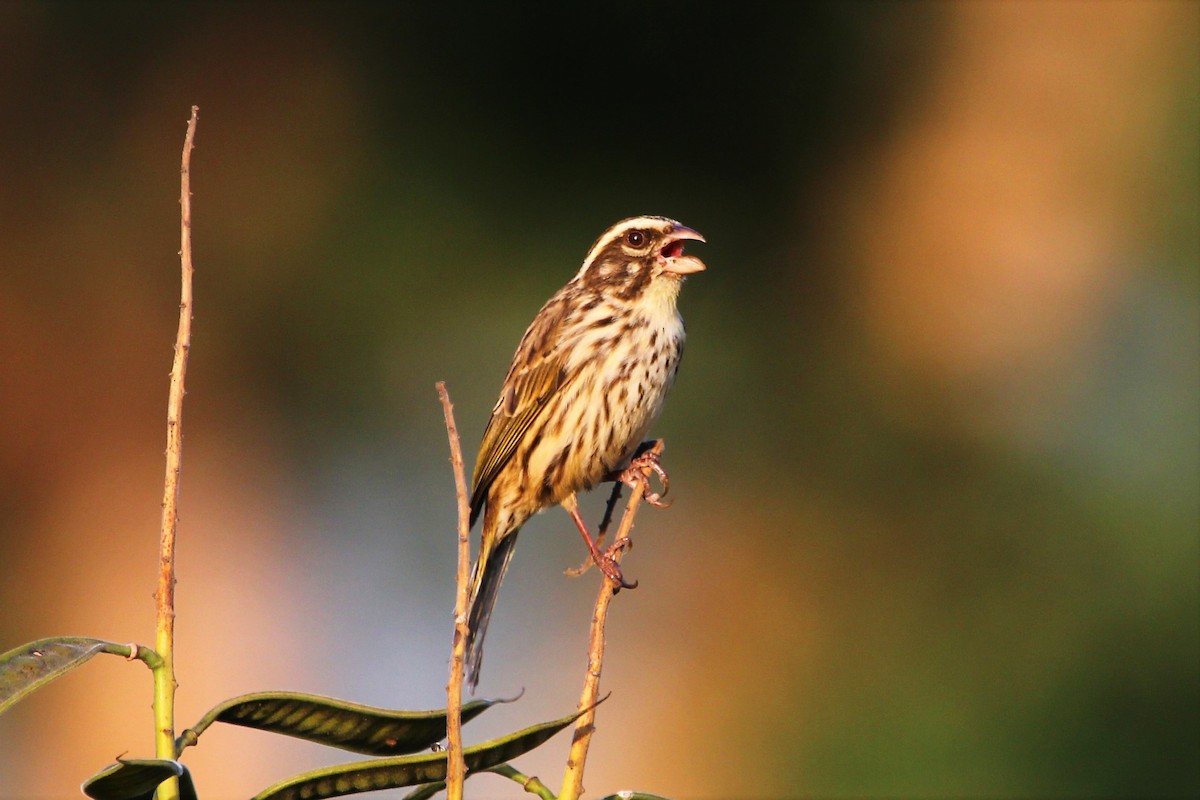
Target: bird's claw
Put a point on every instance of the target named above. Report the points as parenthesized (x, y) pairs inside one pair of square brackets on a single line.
[(612, 570), (608, 557), (637, 477), (622, 545)]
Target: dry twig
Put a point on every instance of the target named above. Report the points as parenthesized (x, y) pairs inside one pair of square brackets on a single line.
[(572, 786), (455, 767), (164, 676)]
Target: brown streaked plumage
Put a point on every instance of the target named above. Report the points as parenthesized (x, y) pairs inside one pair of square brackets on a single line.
[(588, 379)]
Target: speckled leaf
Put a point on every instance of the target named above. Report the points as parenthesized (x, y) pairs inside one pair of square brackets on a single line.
[(137, 779), (629, 794), (336, 723), (33, 665), (391, 773)]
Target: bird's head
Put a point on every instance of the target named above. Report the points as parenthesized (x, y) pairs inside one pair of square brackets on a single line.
[(638, 252)]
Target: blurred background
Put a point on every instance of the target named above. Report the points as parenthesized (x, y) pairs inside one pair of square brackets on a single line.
[(935, 445)]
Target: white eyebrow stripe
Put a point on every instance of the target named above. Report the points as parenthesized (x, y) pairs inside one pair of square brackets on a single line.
[(618, 230)]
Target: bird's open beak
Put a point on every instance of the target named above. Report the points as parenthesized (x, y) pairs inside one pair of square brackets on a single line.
[(672, 253)]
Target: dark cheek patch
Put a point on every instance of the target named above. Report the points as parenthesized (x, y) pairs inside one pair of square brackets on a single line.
[(634, 285)]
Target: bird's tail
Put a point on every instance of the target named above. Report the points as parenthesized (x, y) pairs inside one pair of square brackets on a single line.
[(485, 585)]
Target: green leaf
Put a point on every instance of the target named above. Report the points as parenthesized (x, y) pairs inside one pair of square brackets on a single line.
[(135, 779), (391, 773), (33, 665), (628, 794), (336, 723)]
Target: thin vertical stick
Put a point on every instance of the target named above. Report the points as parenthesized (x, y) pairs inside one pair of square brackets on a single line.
[(164, 676), (456, 769), (572, 786)]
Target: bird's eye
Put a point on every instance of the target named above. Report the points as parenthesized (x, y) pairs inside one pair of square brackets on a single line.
[(636, 238)]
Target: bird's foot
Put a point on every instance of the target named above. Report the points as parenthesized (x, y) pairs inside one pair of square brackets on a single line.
[(605, 560), (622, 545), (612, 570), (637, 475), (609, 554)]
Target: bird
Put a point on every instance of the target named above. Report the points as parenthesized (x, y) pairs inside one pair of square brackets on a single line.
[(587, 381)]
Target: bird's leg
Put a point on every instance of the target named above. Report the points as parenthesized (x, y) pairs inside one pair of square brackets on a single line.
[(603, 560), (609, 507), (637, 475)]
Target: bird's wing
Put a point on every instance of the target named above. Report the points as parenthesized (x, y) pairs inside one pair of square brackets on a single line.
[(537, 372)]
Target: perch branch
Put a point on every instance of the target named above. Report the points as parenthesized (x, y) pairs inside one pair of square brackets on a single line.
[(572, 786), (164, 599), (455, 766)]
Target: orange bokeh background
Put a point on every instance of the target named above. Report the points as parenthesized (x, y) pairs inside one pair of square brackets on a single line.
[(935, 445)]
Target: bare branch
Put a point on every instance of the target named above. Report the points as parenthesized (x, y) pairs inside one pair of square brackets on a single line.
[(572, 786), (455, 767), (164, 676)]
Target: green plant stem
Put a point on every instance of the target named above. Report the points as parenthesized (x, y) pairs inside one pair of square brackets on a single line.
[(164, 640), (530, 784), (135, 652)]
